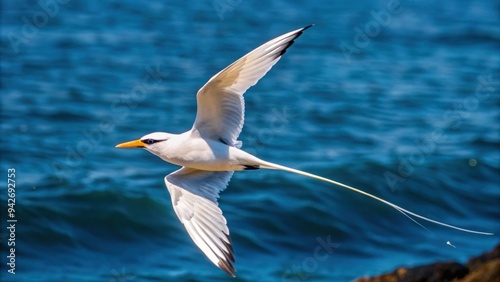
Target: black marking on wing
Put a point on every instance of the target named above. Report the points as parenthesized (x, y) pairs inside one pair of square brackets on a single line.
[(227, 263), (251, 167), (296, 35)]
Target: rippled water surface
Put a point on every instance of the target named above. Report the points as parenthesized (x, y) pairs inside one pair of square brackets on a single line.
[(400, 100)]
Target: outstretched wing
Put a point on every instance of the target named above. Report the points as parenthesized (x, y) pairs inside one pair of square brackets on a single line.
[(221, 106), (194, 196)]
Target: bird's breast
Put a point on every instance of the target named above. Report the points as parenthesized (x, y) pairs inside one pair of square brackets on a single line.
[(203, 154)]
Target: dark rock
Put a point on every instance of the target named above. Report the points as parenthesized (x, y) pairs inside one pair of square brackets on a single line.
[(436, 272), (487, 272), (475, 262), (483, 268)]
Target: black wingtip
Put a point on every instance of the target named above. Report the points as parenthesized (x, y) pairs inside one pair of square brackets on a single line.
[(296, 35), (226, 263), (227, 267), (304, 28)]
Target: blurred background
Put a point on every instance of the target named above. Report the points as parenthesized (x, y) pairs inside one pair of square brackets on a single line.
[(399, 99)]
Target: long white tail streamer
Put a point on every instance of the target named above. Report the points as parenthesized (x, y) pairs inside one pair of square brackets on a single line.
[(405, 212)]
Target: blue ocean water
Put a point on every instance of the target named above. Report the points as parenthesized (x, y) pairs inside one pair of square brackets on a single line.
[(399, 99)]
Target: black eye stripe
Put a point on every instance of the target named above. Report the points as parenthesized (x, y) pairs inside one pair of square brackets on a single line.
[(149, 141)]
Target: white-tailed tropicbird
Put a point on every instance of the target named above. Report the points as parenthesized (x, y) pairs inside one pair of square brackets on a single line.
[(209, 153)]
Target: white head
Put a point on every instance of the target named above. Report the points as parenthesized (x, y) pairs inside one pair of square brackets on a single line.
[(153, 142)]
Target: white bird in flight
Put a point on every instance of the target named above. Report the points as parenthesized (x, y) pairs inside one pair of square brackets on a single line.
[(209, 153)]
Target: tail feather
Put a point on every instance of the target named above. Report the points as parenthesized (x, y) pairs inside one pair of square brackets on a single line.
[(407, 213)]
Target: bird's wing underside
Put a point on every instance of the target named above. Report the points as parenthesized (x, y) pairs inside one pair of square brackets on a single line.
[(194, 196), (221, 106)]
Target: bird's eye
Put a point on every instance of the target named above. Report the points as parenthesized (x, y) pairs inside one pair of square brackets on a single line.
[(148, 141)]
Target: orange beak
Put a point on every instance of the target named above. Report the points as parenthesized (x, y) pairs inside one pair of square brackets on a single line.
[(131, 144)]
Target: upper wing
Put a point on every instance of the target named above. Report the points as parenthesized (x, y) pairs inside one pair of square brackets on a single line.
[(194, 196), (220, 101)]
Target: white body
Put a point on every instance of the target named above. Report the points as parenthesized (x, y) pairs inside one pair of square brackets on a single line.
[(203, 154)]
